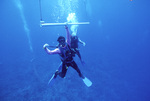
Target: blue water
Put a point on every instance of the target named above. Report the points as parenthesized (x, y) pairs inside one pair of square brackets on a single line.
[(116, 55)]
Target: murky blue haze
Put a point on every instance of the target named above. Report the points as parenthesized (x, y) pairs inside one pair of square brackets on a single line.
[(116, 55)]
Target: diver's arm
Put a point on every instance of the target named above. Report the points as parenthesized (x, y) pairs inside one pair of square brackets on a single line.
[(55, 51), (80, 41), (68, 35)]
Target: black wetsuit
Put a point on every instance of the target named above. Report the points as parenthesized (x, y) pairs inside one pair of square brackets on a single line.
[(67, 60), (74, 45)]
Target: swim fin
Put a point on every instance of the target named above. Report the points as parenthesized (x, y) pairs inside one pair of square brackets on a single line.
[(87, 82), (52, 79)]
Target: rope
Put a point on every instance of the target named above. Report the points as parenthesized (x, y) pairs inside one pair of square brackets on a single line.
[(40, 10)]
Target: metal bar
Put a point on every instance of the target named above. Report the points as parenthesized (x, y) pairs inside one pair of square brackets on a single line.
[(62, 24)]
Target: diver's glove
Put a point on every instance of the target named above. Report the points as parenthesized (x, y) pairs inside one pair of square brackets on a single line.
[(45, 45), (66, 27)]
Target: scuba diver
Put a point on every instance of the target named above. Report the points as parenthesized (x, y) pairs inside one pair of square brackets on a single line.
[(74, 45), (66, 54)]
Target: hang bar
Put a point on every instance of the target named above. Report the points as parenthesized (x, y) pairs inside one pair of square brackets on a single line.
[(43, 24)]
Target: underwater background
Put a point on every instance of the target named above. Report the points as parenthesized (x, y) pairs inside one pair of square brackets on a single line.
[(116, 55)]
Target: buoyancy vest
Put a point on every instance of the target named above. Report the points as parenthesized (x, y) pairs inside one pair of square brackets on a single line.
[(66, 53), (74, 42)]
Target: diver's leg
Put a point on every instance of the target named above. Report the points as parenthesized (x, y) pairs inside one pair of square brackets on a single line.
[(78, 53), (74, 65), (58, 70), (64, 70)]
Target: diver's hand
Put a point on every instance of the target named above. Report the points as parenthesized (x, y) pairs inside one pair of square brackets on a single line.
[(84, 43), (45, 45), (66, 26)]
